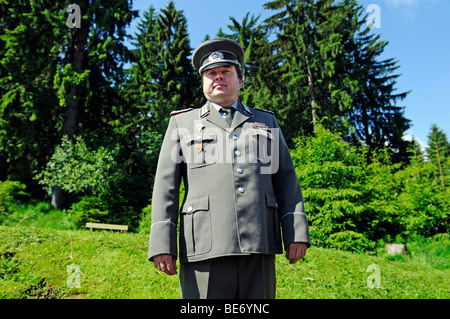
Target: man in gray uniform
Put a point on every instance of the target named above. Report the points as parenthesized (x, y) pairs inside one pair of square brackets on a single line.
[(242, 196)]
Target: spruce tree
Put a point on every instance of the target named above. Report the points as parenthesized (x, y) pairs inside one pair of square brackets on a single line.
[(254, 38), (178, 85), (328, 70), (163, 79), (56, 80), (309, 41), (30, 118), (374, 118), (438, 152), (91, 71)]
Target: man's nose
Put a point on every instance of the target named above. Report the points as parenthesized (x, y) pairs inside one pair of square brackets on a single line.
[(219, 76)]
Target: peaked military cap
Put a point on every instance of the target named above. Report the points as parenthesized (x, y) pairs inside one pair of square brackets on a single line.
[(217, 52)]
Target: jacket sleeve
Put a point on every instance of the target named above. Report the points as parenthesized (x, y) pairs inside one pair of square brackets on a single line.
[(293, 219), (165, 199)]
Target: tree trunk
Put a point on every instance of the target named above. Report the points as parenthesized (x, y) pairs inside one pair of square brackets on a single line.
[(72, 102), (58, 197), (439, 165), (312, 93)]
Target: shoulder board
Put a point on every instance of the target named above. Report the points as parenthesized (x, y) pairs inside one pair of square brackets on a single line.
[(181, 111), (267, 111)]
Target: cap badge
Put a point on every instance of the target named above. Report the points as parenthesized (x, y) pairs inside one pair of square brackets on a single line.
[(215, 55)]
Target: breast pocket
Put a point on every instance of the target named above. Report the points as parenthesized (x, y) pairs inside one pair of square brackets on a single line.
[(196, 223), (200, 149)]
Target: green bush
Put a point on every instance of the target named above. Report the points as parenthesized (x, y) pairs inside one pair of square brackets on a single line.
[(9, 190), (88, 209), (350, 241), (360, 199), (119, 177), (77, 169), (146, 219)]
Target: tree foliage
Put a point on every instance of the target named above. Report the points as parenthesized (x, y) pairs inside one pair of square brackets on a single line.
[(352, 204), (163, 79)]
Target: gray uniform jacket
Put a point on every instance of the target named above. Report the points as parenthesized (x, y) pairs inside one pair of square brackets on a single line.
[(242, 195)]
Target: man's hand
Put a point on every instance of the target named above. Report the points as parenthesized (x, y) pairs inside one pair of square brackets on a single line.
[(166, 263), (295, 252)]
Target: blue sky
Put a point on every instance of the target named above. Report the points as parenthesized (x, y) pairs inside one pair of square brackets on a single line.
[(418, 32)]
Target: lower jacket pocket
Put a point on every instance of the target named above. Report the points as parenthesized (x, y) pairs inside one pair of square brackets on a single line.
[(196, 226)]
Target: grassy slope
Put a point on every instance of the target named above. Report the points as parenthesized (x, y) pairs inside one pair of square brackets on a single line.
[(34, 261)]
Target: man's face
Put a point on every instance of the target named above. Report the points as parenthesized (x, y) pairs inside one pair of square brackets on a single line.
[(221, 85)]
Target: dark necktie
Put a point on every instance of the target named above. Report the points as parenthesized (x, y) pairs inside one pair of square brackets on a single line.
[(229, 114)]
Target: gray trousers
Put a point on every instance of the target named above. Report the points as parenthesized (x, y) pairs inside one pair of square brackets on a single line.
[(230, 277)]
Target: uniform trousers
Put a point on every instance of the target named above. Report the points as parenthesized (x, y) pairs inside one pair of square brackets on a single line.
[(230, 277)]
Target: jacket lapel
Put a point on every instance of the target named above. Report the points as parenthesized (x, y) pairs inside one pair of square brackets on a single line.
[(213, 116), (241, 115), (210, 113)]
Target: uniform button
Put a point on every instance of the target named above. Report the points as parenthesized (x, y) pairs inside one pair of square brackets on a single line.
[(199, 137), (240, 170), (235, 137), (241, 189), (237, 153), (190, 208)]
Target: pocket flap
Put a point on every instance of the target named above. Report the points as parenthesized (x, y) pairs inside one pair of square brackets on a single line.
[(264, 133), (196, 204), (188, 139), (209, 136), (271, 201)]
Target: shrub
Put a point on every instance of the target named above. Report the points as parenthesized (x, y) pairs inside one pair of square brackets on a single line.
[(350, 241), (77, 169), (88, 209), (9, 190), (146, 218)]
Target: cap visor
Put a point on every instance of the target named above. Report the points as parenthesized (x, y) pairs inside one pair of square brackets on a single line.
[(216, 65)]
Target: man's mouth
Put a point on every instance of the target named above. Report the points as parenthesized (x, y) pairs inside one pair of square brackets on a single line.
[(219, 86)]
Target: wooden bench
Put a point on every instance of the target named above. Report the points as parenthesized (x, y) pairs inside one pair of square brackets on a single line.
[(107, 226)]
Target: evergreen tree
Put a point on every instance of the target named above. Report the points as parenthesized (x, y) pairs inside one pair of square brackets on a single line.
[(30, 119), (91, 68), (308, 47), (374, 117), (254, 38), (438, 152), (328, 69), (163, 79), (57, 81), (422, 201), (141, 84), (178, 85), (90, 71)]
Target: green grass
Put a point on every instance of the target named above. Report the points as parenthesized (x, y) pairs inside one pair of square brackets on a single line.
[(36, 214), (34, 261)]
